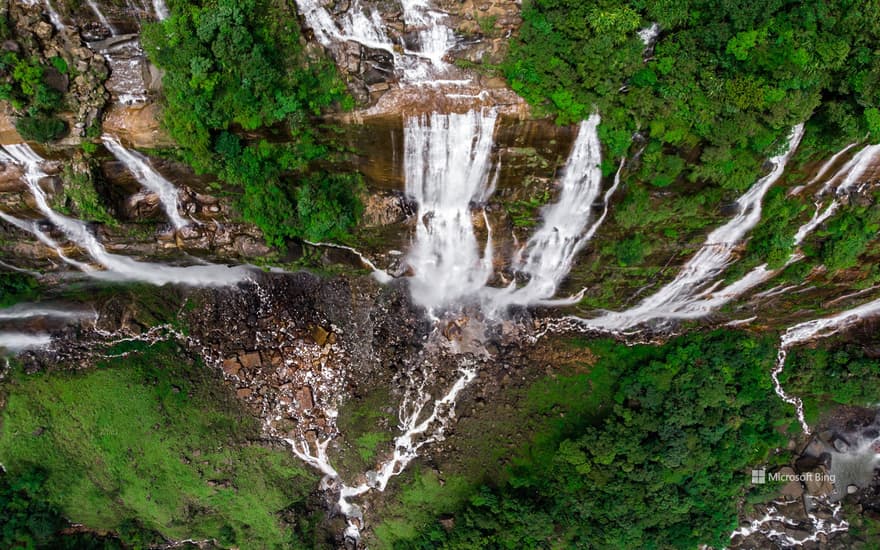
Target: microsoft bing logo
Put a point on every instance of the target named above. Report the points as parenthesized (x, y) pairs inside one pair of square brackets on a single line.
[(759, 477)]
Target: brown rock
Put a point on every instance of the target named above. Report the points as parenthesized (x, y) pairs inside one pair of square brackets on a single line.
[(137, 125), (231, 366), (792, 489), (243, 393), (304, 398), (250, 360), (319, 334)]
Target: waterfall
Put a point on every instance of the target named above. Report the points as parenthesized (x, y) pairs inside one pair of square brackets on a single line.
[(680, 298), (568, 223), (823, 169), (808, 330), (147, 176), (54, 17), (160, 9), (34, 229), (710, 299), (356, 26), (366, 27), (117, 268), (94, 7), (30, 311), (15, 342), (447, 165), (435, 39), (648, 35), (854, 169)]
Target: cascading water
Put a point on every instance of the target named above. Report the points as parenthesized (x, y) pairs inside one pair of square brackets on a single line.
[(447, 165), (817, 328), (147, 176), (100, 15), (15, 342), (430, 41), (116, 268), (355, 26), (566, 226), (54, 17), (34, 229), (434, 38), (680, 298), (711, 299), (160, 9), (30, 311)]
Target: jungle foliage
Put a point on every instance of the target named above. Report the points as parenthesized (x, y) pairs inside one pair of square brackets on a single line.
[(664, 468), (24, 84), (17, 287), (721, 88), (241, 95)]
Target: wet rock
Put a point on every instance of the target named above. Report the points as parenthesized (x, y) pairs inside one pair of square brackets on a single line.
[(304, 398), (250, 360), (44, 30), (319, 334), (792, 489), (819, 483), (382, 209)]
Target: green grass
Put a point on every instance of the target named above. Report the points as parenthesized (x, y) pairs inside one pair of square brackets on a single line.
[(422, 498), (152, 440)]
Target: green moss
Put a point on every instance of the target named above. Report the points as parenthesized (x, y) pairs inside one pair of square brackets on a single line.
[(80, 197)]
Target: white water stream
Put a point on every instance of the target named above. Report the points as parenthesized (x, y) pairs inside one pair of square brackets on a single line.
[(567, 225), (447, 164), (30, 311), (100, 15), (681, 298), (147, 176), (15, 342), (116, 267), (160, 9), (808, 330), (419, 65), (711, 299), (406, 446)]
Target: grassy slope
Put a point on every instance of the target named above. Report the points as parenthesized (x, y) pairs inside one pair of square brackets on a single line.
[(152, 439)]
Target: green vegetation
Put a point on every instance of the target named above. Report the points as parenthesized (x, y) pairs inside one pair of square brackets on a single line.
[(524, 213), (152, 445), (713, 98), (836, 374), (724, 85), (24, 85), (662, 465), (847, 236), (631, 251), (17, 287), (26, 521), (80, 197), (241, 93)]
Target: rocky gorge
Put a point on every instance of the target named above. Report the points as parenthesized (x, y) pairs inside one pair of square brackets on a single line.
[(418, 358)]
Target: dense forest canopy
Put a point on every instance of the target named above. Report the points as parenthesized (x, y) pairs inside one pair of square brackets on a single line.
[(241, 94), (721, 87), (664, 468)]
